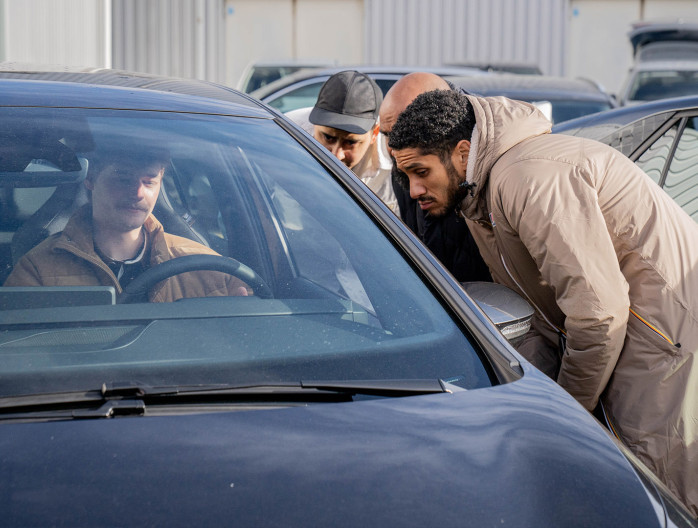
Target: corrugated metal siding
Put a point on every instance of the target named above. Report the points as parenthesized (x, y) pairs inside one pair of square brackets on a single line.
[(434, 32), (63, 32), (181, 38)]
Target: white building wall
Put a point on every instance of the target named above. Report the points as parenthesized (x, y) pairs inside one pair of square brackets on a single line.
[(433, 32), (216, 39), (66, 32), (273, 30)]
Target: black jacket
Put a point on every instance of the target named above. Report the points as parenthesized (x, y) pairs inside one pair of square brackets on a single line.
[(447, 237)]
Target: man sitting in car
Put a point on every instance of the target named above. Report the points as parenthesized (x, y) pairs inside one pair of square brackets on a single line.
[(115, 237)]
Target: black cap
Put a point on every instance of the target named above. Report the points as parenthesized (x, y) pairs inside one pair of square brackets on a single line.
[(348, 101)]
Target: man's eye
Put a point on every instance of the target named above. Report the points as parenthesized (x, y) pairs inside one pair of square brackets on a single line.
[(329, 139)]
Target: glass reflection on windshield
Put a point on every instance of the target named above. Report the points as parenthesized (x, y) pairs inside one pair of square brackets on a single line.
[(316, 290)]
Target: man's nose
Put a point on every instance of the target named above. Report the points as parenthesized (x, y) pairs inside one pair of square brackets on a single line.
[(416, 189), (339, 152), (137, 190)]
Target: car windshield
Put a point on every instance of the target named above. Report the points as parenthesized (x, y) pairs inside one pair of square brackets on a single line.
[(306, 94), (310, 289), (653, 85)]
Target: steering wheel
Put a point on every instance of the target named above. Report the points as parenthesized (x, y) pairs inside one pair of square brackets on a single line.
[(150, 277)]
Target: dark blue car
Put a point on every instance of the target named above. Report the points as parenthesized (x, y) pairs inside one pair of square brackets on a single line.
[(661, 137), (357, 384)]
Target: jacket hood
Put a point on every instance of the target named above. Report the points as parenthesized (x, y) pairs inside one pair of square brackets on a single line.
[(501, 123)]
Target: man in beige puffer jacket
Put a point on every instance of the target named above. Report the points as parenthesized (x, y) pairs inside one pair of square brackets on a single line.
[(607, 259)]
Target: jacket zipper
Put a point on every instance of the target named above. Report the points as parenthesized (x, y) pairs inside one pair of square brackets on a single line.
[(654, 329), (562, 333)]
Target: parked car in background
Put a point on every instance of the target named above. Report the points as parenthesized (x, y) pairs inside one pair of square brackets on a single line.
[(560, 98), (300, 90), (498, 67), (661, 137), (261, 73), (665, 62), (358, 384)]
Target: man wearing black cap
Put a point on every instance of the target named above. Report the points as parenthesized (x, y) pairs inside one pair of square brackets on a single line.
[(345, 121)]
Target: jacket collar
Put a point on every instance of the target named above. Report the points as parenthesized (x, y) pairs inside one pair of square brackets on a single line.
[(500, 124), (78, 234)]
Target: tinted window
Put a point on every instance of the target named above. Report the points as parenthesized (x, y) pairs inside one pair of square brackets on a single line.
[(682, 177), (653, 160), (566, 110)]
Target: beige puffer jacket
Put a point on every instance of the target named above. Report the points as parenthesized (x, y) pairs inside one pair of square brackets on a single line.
[(605, 256), (69, 259)]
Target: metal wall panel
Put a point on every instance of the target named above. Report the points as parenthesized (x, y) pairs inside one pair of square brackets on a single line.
[(181, 38), (434, 32), (57, 32)]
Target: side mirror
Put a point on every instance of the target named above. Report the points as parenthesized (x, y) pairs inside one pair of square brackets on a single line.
[(509, 312)]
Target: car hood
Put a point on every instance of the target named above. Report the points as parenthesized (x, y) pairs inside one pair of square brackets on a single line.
[(521, 454)]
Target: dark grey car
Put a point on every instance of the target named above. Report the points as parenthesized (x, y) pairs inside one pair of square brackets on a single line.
[(560, 98)]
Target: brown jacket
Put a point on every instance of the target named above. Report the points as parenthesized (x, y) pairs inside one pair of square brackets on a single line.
[(69, 259), (605, 256)]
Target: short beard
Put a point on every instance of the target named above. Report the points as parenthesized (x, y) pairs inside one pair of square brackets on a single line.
[(454, 194)]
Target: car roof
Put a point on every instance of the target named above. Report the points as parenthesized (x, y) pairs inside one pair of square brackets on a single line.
[(675, 65), (500, 66), (643, 34), (618, 117), (103, 87), (397, 71), (546, 87)]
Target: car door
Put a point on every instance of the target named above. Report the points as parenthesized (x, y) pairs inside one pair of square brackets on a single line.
[(671, 160)]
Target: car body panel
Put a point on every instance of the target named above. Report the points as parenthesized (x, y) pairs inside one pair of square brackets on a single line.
[(473, 458), (570, 98), (179, 90)]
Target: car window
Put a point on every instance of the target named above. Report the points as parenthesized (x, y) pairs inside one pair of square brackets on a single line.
[(564, 110), (330, 296), (682, 176), (653, 85), (301, 97), (263, 75), (306, 95), (654, 159)]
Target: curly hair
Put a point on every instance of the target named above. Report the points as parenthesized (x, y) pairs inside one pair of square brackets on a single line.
[(434, 123)]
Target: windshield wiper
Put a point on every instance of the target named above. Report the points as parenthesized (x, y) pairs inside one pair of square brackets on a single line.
[(387, 388), (118, 399)]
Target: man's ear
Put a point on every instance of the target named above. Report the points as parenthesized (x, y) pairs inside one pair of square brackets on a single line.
[(461, 154), (374, 133), (89, 184)]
